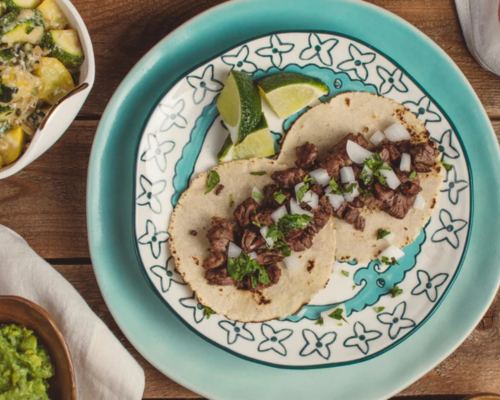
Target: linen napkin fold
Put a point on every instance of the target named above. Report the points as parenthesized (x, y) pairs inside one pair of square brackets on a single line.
[(104, 369), (481, 27)]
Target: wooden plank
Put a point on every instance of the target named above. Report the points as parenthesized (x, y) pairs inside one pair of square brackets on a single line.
[(473, 368), (45, 203), (119, 45)]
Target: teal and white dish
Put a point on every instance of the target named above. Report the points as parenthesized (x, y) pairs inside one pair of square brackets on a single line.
[(151, 143), (181, 139)]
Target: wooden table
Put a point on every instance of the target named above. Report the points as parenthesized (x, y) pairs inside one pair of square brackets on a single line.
[(45, 203)]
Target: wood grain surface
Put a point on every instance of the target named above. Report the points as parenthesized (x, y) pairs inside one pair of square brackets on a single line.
[(45, 203)]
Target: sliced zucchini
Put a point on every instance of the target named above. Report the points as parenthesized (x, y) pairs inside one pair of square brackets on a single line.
[(56, 80), (13, 4), (65, 46), (11, 145), (22, 26), (7, 54), (20, 81), (53, 15)]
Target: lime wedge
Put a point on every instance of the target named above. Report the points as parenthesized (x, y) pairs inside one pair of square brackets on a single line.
[(239, 105), (289, 92), (259, 143)]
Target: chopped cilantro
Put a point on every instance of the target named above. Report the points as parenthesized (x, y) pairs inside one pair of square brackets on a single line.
[(375, 164), (382, 234), (379, 309), (365, 193), (335, 186), (390, 262), (349, 188), (207, 312), (395, 291), (319, 321), (242, 266), (257, 195), (283, 247), (293, 221), (339, 324), (213, 179), (256, 224), (274, 233), (345, 273), (258, 173), (446, 166), (231, 201), (308, 179), (302, 191), (413, 175), (353, 287), (337, 314), (279, 196)]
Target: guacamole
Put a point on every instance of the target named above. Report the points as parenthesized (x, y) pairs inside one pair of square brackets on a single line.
[(24, 365)]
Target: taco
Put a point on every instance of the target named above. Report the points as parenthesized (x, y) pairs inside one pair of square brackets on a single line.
[(245, 247), (319, 140)]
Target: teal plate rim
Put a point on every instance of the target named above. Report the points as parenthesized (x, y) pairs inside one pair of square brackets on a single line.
[(155, 332), (176, 196)]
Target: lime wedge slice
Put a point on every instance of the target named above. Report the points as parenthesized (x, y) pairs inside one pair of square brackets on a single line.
[(259, 143), (239, 105), (289, 92)]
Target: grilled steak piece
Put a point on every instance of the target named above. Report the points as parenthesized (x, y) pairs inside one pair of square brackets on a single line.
[(410, 188), (220, 234), (263, 217), (338, 158), (251, 241), (399, 206), (424, 156), (370, 202), (306, 155), (318, 189), (383, 193), (274, 274), (218, 276), (269, 199), (321, 215), (244, 210), (359, 224), (289, 177), (299, 242), (214, 260), (268, 256)]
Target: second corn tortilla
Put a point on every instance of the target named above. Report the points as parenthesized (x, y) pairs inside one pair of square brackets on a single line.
[(327, 124)]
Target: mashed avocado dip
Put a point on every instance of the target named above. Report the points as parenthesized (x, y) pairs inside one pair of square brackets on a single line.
[(24, 365)]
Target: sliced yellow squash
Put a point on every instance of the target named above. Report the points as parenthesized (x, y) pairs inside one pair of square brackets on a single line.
[(56, 80), (53, 15), (11, 145)]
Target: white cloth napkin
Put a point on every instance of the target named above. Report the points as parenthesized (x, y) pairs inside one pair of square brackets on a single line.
[(104, 369), (481, 28)]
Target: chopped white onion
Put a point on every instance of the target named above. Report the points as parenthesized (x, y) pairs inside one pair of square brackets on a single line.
[(257, 195), (253, 255), (291, 262), (295, 209), (320, 176), (405, 164), (346, 175), (390, 252), (233, 251), (336, 200), (278, 213), (328, 189), (357, 153), (264, 231), (419, 202), (391, 178), (397, 132), (311, 199), (351, 196), (367, 171), (389, 237), (298, 186), (377, 138)]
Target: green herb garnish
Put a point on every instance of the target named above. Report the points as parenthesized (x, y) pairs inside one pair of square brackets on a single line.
[(308, 179), (345, 273), (283, 247), (279, 196), (242, 266), (293, 221), (207, 312), (337, 314), (335, 186), (390, 262), (231, 201), (213, 179), (353, 287), (258, 195), (413, 175), (319, 321), (375, 164), (395, 291), (379, 309), (349, 188), (382, 234), (302, 191), (446, 166), (258, 173), (256, 224)]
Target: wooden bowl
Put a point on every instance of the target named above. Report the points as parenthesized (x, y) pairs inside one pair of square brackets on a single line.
[(20, 311)]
